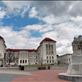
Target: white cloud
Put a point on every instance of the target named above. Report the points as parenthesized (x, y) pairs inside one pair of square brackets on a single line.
[(33, 12), (33, 27), (14, 39), (46, 28), (16, 4), (62, 33), (72, 5), (50, 19), (59, 25), (2, 14), (77, 19)]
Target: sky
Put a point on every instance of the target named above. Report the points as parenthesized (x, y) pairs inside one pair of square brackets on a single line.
[(24, 24)]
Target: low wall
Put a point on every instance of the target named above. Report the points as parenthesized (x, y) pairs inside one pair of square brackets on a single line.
[(30, 68), (9, 68)]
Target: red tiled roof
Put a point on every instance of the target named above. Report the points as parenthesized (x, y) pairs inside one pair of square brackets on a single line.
[(47, 40), (31, 50), (17, 50)]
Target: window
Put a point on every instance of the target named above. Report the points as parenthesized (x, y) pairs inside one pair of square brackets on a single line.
[(47, 61), (46, 48), (25, 61), (50, 61), (51, 49), (20, 61), (47, 57)]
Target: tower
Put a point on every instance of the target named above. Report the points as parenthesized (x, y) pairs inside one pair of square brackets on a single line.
[(48, 51)]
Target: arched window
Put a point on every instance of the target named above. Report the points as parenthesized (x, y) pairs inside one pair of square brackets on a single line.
[(23, 61), (20, 61)]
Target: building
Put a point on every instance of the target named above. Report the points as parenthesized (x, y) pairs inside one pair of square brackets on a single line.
[(2, 50), (17, 57), (64, 59), (44, 54), (47, 51), (11, 57)]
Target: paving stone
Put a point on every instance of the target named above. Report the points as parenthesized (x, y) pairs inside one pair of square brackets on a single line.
[(41, 76)]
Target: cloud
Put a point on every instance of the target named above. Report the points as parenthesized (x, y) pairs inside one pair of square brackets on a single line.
[(14, 39), (50, 19), (33, 12), (2, 14), (62, 33), (58, 8), (19, 39), (33, 27), (63, 21), (16, 4)]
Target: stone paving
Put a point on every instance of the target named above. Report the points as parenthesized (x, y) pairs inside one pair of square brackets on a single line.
[(41, 76)]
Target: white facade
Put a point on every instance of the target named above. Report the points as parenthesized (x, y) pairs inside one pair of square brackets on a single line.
[(44, 54), (11, 57), (33, 57), (23, 58), (47, 51), (2, 50)]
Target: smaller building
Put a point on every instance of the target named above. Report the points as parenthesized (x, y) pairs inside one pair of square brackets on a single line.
[(64, 59)]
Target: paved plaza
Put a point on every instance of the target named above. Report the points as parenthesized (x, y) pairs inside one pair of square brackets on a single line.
[(41, 76), (8, 77), (14, 75)]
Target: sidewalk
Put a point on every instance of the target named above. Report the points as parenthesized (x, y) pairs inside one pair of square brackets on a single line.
[(16, 72)]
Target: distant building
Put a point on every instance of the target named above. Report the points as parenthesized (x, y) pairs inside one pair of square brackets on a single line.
[(44, 54), (64, 59)]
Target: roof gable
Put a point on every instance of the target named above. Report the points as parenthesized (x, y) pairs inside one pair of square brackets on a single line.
[(47, 40)]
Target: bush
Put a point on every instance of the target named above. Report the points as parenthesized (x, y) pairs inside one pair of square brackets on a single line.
[(21, 67)]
